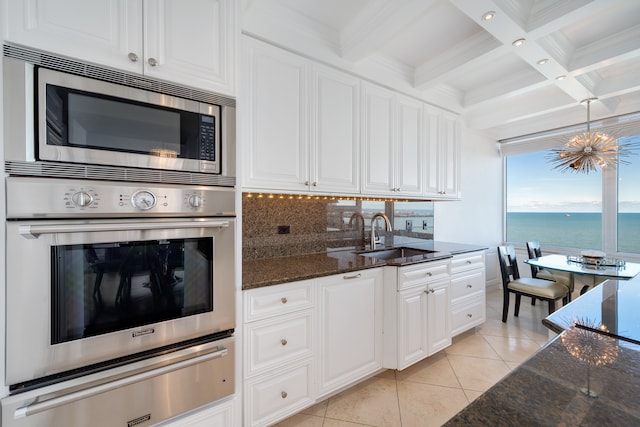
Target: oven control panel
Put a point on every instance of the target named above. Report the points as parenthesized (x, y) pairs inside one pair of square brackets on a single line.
[(60, 198)]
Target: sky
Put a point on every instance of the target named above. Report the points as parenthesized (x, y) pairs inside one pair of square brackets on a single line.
[(534, 186)]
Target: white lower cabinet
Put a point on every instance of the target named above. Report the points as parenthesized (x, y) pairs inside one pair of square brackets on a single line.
[(307, 339), (419, 327), (468, 299), (350, 330), (219, 414)]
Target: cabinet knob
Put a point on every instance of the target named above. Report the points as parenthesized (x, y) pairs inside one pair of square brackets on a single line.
[(432, 291), (469, 262), (469, 286), (306, 183), (469, 315), (429, 274), (283, 341), (132, 57), (283, 394), (315, 184), (283, 300), (152, 61)]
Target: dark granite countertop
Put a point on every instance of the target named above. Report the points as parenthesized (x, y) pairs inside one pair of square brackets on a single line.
[(551, 388), (273, 271), (610, 307)]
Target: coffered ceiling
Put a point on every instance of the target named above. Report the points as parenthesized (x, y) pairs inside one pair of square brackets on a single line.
[(443, 52)]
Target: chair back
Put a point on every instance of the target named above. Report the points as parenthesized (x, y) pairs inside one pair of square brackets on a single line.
[(508, 264), (533, 248)]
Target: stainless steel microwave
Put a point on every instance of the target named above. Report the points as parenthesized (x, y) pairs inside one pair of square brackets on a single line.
[(60, 115)]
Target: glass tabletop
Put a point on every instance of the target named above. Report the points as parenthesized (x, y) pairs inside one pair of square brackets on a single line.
[(617, 270)]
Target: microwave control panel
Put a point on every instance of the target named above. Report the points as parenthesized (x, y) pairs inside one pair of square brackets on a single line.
[(62, 198), (207, 138)]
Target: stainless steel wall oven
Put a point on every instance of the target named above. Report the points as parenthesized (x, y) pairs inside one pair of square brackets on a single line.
[(120, 287)]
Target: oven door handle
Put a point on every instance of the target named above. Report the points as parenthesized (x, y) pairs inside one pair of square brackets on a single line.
[(41, 406), (34, 231)]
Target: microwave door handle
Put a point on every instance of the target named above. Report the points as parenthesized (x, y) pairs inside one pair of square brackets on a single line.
[(41, 406), (34, 231)]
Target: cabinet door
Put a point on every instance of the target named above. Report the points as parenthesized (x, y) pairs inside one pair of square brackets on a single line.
[(191, 42), (432, 135), (439, 312), (412, 326), (350, 328), (409, 147), (99, 31), (276, 123), (450, 156), (378, 136), (335, 133)]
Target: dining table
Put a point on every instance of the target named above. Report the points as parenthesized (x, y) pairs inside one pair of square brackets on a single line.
[(607, 268)]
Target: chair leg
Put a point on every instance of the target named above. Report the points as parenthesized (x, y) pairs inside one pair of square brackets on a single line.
[(505, 306), (517, 310), (552, 306)]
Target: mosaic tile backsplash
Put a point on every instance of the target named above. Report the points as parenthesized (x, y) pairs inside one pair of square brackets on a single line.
[(285, 226)]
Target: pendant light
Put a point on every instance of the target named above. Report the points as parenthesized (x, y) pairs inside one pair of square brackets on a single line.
[(588, 151)]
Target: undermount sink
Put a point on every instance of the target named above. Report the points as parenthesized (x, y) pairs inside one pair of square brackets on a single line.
[(386, 254)]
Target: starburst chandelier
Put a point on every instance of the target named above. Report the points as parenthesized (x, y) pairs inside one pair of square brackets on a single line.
[(588, 151)]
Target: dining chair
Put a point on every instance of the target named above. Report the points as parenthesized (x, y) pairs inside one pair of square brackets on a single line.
[(528, 286), (563, 277)]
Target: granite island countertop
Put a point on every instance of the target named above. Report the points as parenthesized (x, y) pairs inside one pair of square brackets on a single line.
[(599, 341), (273, 271)]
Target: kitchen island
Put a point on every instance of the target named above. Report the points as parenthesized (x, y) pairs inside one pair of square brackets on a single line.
[(589, 375)]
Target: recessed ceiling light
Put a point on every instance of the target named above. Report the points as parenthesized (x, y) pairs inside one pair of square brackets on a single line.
[(518, 42), (542, 61), (561, 77), (489, 16)]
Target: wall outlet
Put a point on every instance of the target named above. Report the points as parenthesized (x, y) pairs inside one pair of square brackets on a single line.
[(409, 224), (284, 229)]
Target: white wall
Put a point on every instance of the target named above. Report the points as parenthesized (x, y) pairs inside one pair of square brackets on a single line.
[(477, 218)]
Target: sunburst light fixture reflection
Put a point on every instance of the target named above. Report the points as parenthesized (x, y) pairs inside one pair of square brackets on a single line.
[(588, 151)]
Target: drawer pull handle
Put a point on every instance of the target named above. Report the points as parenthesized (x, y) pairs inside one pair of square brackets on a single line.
[(283, 300), (355, 276), (429, 274), (469, 262), (283, 341), (469, 286), (431, 291), (283, 394)]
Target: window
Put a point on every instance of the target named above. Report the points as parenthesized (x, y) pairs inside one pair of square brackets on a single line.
[(599, 210)]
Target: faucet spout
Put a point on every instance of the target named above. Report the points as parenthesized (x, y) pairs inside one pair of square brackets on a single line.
[(354, 217), (387, 225)]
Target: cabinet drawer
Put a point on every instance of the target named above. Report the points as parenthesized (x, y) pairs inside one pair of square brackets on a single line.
[(419, 274), (468, 314), (467, 284), (279, 299), (271, 398), (465, 262), (271, 342)]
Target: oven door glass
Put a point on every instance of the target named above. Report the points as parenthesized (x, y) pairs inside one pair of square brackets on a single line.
[(106, 287)]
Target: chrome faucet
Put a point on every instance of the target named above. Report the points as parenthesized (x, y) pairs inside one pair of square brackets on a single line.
[(387, 225), (354, 217)]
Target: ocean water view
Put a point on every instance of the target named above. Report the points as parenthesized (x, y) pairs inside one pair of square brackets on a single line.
[(572, 229)]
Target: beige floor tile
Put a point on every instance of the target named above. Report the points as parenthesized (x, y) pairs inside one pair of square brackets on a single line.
[(373, 402), (472, 395), (319, 409), (425, 405), (301, 420), (477, 374), (328, 422), (513, 349), (434, 370), (472, 345), (389, 374)]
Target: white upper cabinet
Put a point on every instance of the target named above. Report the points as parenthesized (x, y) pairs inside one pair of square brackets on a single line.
[(301, 124), (393, 139), (335, 132), (443, 155), (189, 42), (276, 120)]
